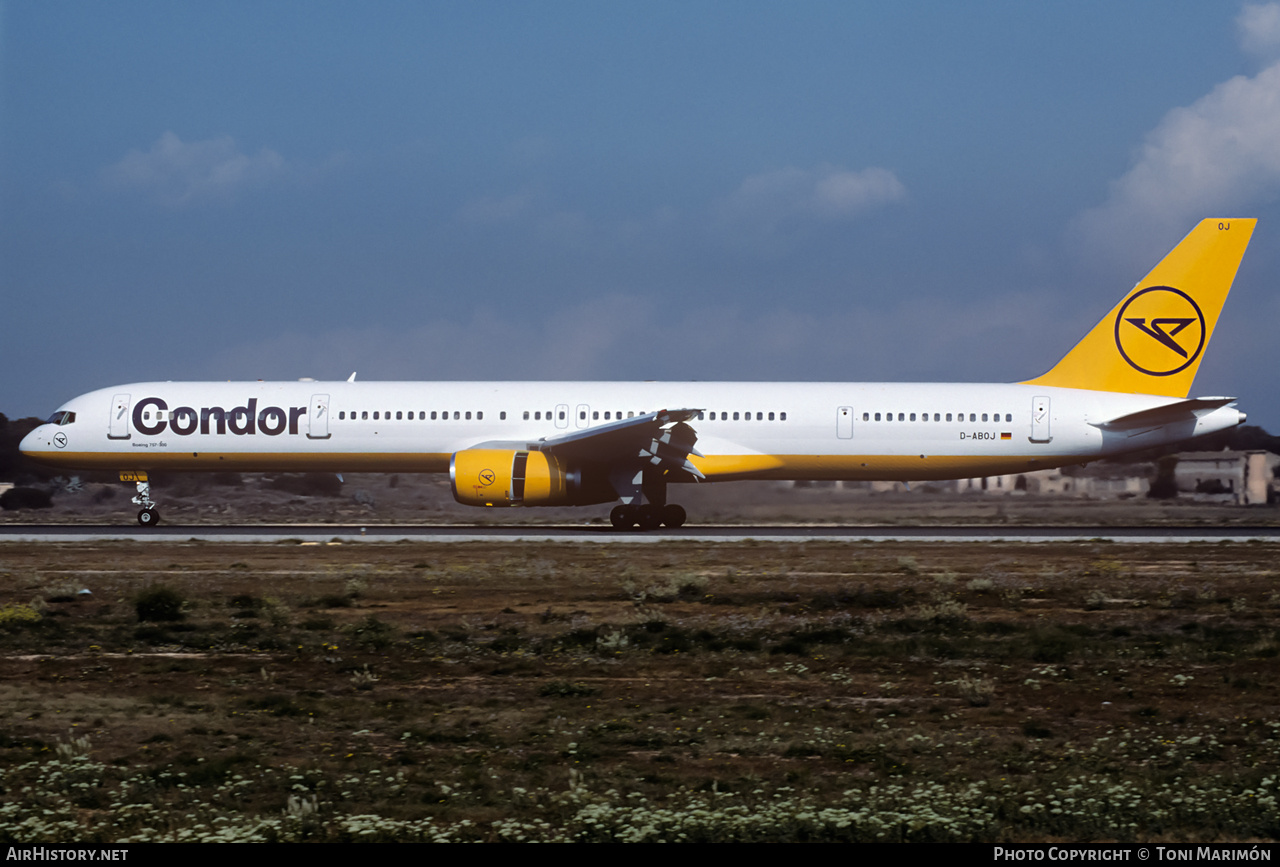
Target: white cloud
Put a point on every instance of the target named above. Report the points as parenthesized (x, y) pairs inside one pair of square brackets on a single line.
[(1218, 157), (1259, 26), (767, 206), (176, 173), (617, 337)]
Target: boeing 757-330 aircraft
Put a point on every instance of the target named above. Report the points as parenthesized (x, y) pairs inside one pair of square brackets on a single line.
[(1124, 387)]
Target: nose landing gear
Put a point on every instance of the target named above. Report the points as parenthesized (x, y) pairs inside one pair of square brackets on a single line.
[(148, 516)]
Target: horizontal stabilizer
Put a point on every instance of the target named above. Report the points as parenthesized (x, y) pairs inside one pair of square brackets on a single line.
[(1182, 410)]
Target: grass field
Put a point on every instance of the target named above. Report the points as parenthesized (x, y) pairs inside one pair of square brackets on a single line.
[(686, 691)]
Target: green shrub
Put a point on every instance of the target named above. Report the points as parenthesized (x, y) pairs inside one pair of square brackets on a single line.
[(16, 499), (159, 605)]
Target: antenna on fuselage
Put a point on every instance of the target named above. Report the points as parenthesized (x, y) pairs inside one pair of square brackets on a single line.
[(352, 377)]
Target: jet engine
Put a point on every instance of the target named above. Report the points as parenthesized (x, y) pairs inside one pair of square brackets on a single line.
[(508, 477)]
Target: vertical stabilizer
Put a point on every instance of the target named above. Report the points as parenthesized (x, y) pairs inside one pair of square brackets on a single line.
[(1153, 341)]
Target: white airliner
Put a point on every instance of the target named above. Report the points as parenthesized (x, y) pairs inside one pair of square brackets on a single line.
[(1124, 387)]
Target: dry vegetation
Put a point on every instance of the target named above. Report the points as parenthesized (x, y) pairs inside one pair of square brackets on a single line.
[(193, 499), (684, 691)]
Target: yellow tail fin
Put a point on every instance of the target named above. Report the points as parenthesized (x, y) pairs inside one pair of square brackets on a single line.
[(1153, 341)]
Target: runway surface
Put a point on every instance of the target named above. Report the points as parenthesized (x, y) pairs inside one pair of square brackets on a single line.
[(316, 533)]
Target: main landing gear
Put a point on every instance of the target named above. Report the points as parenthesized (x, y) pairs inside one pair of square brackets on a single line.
[(647, 516)]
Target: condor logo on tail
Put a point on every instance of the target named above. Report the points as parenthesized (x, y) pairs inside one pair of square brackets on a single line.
[(1153, 341), (1160, 345)]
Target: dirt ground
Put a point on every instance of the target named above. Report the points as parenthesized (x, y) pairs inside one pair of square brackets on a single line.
[(400, 499), (682, 691)]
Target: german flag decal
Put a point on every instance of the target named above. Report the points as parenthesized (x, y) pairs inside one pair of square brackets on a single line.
[(1005, 435)]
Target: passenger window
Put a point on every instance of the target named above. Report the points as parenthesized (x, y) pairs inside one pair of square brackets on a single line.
[(537, 416), (526, 415), (375, 415), (782, 416), (502, 416), (913, 416), (364, 414), (433, 415), (937, 416), (948, 416), (984, 416), (770, 416), (399, 415), (1008, 416), (973, 416), (456, 415), (735, 416), (341, 416), (595, 415), (900, 418), (877, 416), (468, 415)]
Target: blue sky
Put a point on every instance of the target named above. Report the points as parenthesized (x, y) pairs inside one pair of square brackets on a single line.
[(816, 191)]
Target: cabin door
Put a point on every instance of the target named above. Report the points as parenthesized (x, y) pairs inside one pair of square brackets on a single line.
[(844, 422), (119, 426), (1040, 417), (318, 417)]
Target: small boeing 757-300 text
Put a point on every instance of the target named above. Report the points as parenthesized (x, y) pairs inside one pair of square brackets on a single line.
[(1124, 387)]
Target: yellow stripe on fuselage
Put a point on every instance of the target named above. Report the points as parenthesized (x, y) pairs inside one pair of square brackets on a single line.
[(907, 468), (249, 462), (714, 467)]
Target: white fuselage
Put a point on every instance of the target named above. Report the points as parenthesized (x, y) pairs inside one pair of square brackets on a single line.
[(746, 430)]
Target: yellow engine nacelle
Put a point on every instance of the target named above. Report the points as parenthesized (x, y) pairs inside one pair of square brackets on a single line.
[(504, 477)]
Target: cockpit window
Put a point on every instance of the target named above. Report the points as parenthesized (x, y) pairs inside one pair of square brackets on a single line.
[(61, 417)]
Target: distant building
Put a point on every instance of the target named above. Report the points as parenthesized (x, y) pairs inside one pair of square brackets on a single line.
[(1055, 483), (1238, 477)]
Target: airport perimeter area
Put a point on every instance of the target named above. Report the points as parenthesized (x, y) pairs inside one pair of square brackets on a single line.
[(685, 691)]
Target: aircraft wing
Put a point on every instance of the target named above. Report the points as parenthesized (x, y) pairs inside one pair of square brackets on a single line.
[(662, 439)]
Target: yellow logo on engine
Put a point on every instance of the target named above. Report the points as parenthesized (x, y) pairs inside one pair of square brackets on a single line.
[(1160, 331)]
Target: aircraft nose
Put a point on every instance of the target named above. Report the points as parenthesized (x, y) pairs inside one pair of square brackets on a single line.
[(34, 443)]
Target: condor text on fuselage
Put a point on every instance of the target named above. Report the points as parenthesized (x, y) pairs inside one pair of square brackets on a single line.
[(1122, 388), (245, 420)]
